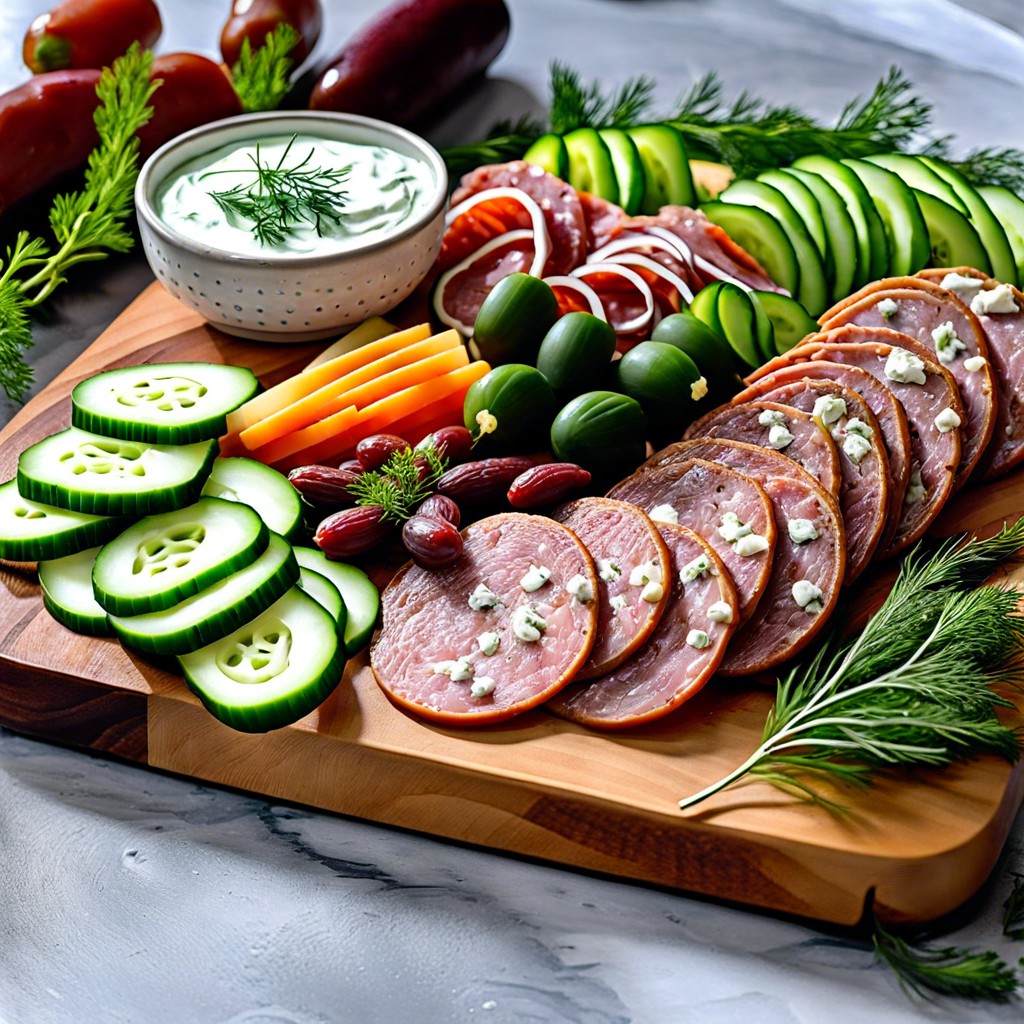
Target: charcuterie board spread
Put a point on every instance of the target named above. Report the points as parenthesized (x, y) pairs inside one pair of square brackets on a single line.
[(535, 785)]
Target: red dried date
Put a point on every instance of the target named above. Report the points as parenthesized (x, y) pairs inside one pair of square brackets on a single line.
[(547, 484), (353, 531), (437, 506), (324, 485), (352, 465), (373, 451), (433, 543), (484, 480), (452, 443)]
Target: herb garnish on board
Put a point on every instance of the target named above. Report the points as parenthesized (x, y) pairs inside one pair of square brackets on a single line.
[(405, 480)]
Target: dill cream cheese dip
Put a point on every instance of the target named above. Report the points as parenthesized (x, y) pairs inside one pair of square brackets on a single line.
[(294, 194)]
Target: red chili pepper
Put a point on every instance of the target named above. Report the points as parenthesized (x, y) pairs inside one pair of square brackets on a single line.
[(89, 33), (254, 19)]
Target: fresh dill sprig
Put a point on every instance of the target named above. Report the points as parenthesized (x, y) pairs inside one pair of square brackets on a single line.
[(88, 224), (506, 140), (1013, 910), (578, 105), (406, 479), (261, 76), (280, 198), (946, 970), (914, 689)]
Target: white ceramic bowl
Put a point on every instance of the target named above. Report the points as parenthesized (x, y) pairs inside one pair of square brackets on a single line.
[(284, 297)]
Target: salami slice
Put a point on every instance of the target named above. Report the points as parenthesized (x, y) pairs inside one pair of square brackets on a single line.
[(604, 220), (810, 553), (702, 496), (782, 428), (623, 542), (488, 637), (681, 655), (943, 324), (929, 397)]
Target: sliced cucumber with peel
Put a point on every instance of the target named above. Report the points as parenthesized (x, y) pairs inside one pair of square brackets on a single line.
[(164, 559), (325, 593), (951, 236), (921, 177), (272, 670), (667, 177), (590, 164), (100, 475), (163, 403), (264, 489), (66, 584), (361, 597), (791, 321), (629, 168), (550, 153), (1009, 208), (808, 208)]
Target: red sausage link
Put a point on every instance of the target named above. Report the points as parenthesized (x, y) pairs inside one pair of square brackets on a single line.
[(485, 480), (254, 19), (324, 485), (353, 531), (547, 485), (433, 543)]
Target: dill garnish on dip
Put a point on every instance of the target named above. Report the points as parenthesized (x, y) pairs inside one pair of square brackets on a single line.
[(298, 194)]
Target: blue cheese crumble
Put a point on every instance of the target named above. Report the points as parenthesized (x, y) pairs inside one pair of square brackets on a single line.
[(904, 367)]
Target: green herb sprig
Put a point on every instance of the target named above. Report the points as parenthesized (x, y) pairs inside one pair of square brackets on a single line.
[(912, 690), (89, 224), (280, 198), (401, 483), (261, 76)]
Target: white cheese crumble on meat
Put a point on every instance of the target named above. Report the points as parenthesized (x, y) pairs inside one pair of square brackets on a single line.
[(698, 567), (856, 447), (996, 300), (772, 418), (698, 638), (904, 367), (731, 528), (807, 596), (649, 572), (887, 308), (608, 570), (751, 544), (964, 288), (581, 588), (801, 531), (459, 670), (947, 421), (488, 643), (974, 364), (535, 578), (664, 514), (482, 686), (527, 624), (947, 345), (618, 602), (916, 489), (720, 611), (779, 437), (829, 408)]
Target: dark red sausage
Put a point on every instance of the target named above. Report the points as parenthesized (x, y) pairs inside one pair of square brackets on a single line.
[(411, 57), (89, 33), (254, 19)]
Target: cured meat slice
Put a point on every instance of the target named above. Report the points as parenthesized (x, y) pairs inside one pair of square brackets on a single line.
[(929, 398), (604, 220), (892, 419), (810, 553), (430, 656), (780, 427), (703, 496), (681, 655), (953, 336), (864, 497), (622, 541), (559, 201), (485, 220)]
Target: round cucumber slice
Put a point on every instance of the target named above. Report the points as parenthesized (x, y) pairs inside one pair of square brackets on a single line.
[(216, 611), (629, 169), (31, 532), (953, 241), (264, 489), (668, 180), (164, 559), (550, 153), (325, 593), (791, 321), (67, 593), (273, 670), (590, 164), (163, 403), (361, 597), (99, 475)]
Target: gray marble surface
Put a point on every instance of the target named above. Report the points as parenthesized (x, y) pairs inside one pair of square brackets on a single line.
[(129, 896)]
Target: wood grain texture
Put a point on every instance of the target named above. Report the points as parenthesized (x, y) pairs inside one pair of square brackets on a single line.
[(536, 785)]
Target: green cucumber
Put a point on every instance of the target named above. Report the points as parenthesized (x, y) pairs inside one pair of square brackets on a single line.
[(271, 671), (952, 238), (216, 611), (32, 532), (629, 168), (602, 431), (590, 164), (1009, 208), (520, 398), (576, 353), (100, 475), (163, 559), (513, 318), (791, 321), (705, 346), (808, 209), (661, 378), (550, 153), (764, 326), (361, 597), (325, 593), (905, 227), (264, 489), (163, 403), (920, 177), (739, 322), (666, 164), (812, 291), (66, 584)]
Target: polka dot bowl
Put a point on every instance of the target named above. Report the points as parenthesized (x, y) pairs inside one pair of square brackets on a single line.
[(286, 297)]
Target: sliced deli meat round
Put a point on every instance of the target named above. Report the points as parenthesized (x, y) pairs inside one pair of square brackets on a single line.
[(703, 496), (681, 655), (495, 634), (633, 570), (939, 320), (864, 493), (891, 416), (770, 424), (810, 553), (604, 220)]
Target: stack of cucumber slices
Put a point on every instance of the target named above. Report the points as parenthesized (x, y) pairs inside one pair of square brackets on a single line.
[(143, 533)]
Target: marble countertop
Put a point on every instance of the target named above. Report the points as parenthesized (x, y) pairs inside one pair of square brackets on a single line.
[(130, 896)]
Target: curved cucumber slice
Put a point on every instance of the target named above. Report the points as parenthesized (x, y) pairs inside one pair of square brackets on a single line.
[(629, 169), (791, 321), (1009, 209), (164, 403), (550, 153), (67, 593), (590, 164), (325, 593), (739, 322), (31, 532), (100, 475), (273, 670), (953, 241), (919, 177), (668, 180), (361, 597), (808, 209), (215, 611), (164, 559), (264, 489)]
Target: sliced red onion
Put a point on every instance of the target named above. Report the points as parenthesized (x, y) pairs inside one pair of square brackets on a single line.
[(718, 274), (635, 259), (634, 279), (684, 251), (593, 299), (632, 241)]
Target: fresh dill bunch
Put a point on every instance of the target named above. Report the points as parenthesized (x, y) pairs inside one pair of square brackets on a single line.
[(946, 970), (280, 198), (1013, 910), (913, 689), (261, 77), (406, 479), (578, 105), (506, 140)]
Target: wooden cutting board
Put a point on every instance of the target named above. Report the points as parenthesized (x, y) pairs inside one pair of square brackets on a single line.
[(536, 786)]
